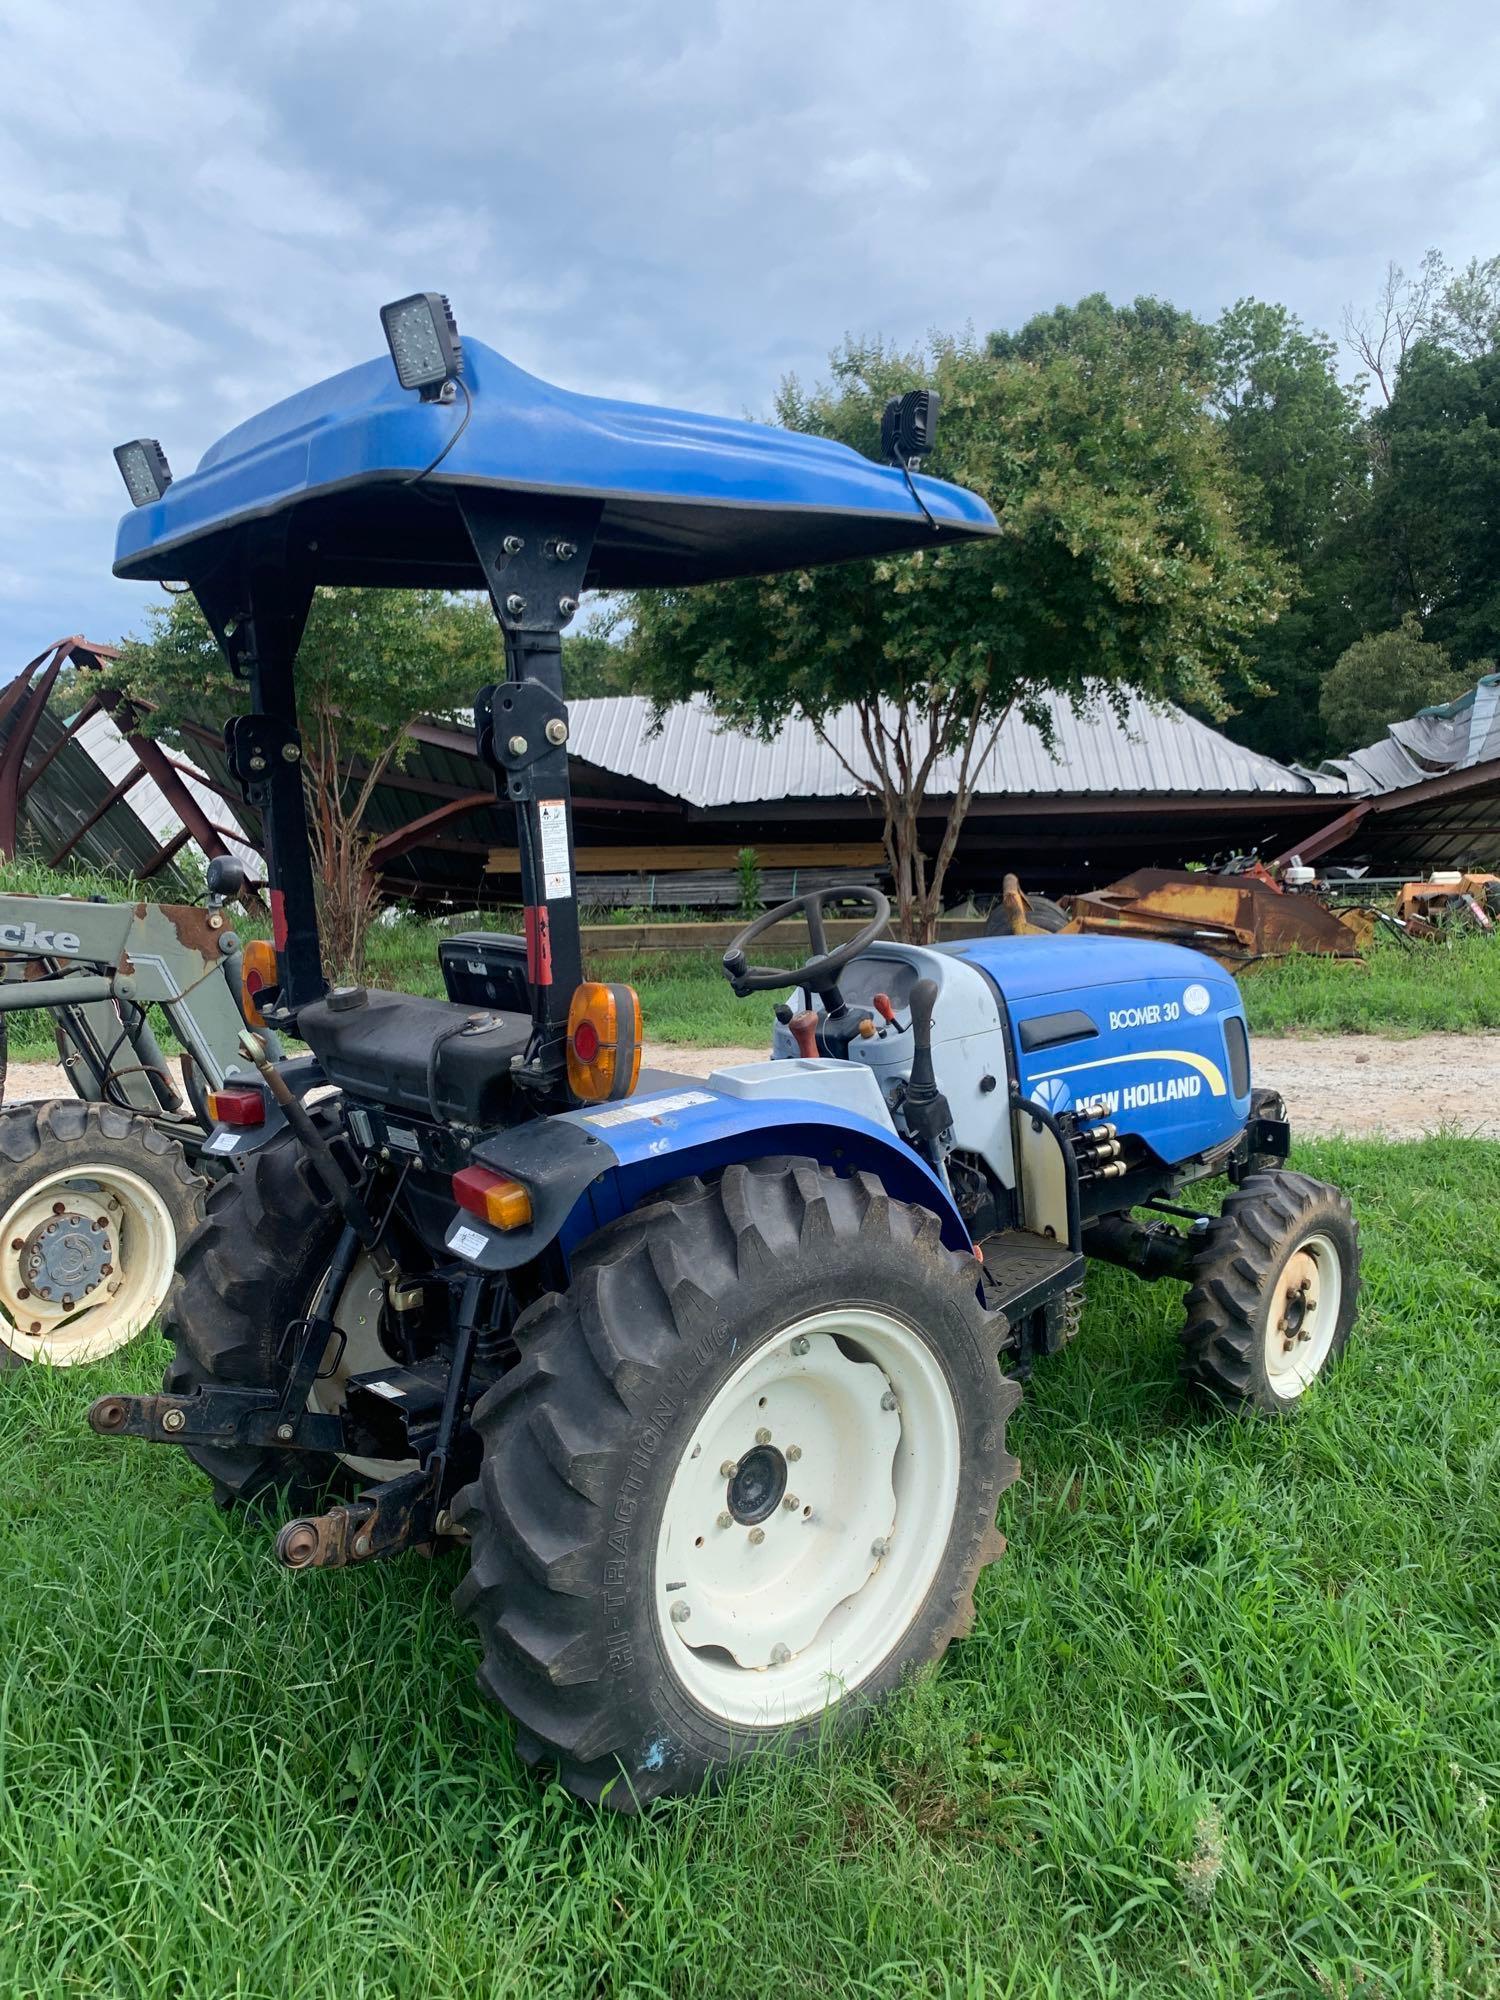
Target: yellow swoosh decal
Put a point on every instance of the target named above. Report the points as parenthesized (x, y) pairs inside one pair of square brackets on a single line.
[(1210, 1072)]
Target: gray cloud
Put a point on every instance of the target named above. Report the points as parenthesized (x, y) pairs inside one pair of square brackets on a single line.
[(204, 205)]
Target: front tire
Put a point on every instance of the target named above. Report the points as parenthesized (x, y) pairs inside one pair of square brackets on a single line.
[(1275, 1282), (742, 1480)]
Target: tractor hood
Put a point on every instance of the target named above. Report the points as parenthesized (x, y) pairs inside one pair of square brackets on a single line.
[(686, 498), (1149, 1036)]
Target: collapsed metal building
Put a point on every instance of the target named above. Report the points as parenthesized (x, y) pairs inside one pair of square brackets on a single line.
[(663, 810)]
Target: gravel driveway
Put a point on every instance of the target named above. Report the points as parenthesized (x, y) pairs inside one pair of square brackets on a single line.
[(1358, 1085)]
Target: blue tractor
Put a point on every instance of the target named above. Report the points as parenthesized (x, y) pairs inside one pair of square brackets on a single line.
[(710, 1379)]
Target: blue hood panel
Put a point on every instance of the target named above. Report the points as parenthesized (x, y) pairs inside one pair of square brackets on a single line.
[(1144, 1040), (686, 498)]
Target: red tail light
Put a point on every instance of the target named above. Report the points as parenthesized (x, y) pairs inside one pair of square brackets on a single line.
[(237, 1104), (494, 1198)]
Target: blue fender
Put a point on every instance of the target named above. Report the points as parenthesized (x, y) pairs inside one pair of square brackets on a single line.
[(695, 1129)]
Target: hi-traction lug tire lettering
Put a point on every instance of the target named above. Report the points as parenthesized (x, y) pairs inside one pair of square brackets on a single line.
[(1246, 1246), (67, 1133), (582, 1439)]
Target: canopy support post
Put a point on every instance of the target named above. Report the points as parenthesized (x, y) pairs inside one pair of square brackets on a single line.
[(257, 607), (535, 556)]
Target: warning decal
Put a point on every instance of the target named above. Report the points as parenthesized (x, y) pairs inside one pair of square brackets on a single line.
[(557, 876)]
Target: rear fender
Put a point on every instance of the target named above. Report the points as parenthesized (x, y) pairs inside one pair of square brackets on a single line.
[(640, 1146), (652, 1148)]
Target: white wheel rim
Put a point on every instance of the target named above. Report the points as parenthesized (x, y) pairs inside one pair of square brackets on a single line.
[(357, 1317), (764, 1632), (1302, 1315), (86, 1256)]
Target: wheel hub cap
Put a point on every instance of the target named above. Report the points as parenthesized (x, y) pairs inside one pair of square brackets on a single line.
[(758, 1484), (68, 1257)]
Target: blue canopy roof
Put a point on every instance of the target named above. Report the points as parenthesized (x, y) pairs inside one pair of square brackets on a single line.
[(686, 498)]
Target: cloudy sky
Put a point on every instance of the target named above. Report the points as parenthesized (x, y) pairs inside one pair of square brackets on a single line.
[(202, 206)]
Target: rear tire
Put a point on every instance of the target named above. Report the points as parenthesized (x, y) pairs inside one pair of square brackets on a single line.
[(94, 1202), (637, 1620), (252, 1267), (1274, 1288)]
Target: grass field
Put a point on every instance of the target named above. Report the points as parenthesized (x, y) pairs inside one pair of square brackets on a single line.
[(1229, 1723)]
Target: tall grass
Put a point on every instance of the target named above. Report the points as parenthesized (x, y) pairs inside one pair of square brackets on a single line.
[(1228, 1724)]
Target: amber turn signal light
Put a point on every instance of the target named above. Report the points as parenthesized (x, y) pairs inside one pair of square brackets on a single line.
[(494, 1198), (257, 972), (237, 1104), (604, 1041)]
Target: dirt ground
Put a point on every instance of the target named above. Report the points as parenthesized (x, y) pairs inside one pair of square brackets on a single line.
[(1359, 1085)]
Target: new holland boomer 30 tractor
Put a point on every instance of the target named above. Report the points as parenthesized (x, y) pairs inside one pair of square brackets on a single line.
[(711, 1377)]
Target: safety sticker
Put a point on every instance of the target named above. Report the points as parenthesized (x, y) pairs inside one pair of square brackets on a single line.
[(557, 876), (467, 1242), (650, 1107)]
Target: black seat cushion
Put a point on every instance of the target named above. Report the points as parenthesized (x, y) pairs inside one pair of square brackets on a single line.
[(431, 1057)]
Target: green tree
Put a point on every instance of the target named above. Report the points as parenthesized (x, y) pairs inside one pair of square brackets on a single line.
[(593, 664), (1119, 564), (1383, 678), (1430, 545), (1299, 441), (1467, 316), (371, 663)]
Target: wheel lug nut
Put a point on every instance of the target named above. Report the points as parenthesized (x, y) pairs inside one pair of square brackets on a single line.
[(728, 1469), (793, 1453), (880, 1547), (681, 1613), (780, 1654), (800, 1345), (888, 1400), (791, 1503), (757, 1536), (725, 1520), (762, 1437)]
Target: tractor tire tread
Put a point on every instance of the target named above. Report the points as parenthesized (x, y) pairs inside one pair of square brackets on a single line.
[(1222, 1336), (264, 1241), (596, 1362)]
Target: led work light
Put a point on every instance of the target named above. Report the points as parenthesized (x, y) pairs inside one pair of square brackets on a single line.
[(908, 425), (144, 469), (423, 338)]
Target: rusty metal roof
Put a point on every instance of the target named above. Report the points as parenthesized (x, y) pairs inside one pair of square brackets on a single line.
[(1454, 736)]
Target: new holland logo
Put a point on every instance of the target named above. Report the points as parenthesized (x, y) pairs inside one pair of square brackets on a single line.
[(1103, 1095), (27, 937)]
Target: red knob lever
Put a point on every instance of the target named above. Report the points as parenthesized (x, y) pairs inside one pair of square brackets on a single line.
[(885, 1010), (804, 1032)]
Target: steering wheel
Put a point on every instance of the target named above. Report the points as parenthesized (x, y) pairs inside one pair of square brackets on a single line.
[(820, 973)]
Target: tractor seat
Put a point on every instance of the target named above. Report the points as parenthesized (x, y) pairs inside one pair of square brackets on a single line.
[(431, 1057)]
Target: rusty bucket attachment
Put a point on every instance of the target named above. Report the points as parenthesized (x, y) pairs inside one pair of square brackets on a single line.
[(1240, 920)]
